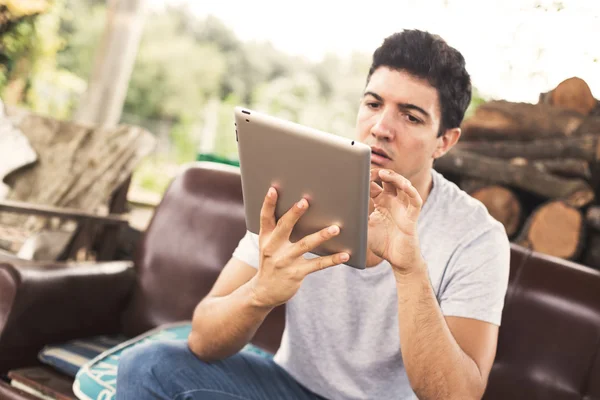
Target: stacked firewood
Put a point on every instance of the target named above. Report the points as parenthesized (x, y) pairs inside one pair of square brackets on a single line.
[(536, 167)]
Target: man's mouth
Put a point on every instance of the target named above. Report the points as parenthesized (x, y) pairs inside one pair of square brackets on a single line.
[(379, 156)]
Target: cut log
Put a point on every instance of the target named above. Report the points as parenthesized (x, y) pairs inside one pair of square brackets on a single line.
[(554, 228), (571, 94), (591, 256), (585, 148), (575, 192), (596, 111), (567, 167), (501, 120), (503, 205), (592, 217), (589, 126)]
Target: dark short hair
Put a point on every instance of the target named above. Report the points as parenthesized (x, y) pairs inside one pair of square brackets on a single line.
[(429, 57)]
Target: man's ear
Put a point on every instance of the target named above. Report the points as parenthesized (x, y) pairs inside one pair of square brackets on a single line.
[(446, 142)]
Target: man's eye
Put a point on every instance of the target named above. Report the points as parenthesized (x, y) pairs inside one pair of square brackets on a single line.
[(373, 105), (413, 119)]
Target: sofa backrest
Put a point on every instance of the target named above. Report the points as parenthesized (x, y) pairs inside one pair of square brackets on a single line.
[(549, 340), (192, 235)]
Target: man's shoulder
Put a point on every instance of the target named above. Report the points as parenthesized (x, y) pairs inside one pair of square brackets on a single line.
[(463, 216)]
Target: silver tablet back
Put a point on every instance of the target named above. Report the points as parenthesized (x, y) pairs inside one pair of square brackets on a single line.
[(330, 171)]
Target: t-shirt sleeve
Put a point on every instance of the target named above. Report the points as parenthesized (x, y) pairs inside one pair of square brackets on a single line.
[(247, 250), (477, 278)]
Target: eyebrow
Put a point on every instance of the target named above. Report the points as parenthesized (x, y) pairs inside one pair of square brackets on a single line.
[(404, 106)]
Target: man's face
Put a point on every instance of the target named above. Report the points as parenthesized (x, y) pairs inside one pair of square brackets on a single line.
[(399, 118)]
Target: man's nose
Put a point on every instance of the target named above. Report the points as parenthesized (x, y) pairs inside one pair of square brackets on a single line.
[(382, 129)]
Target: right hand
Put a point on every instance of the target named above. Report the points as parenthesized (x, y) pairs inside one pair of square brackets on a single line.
[(282, 266)]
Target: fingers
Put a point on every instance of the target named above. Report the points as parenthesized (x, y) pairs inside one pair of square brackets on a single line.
[(385, 187), (375, 174), (286, 223), (375, 189), (403, 185), (389, 188), (267, 212), (312, 241), (321, 263)]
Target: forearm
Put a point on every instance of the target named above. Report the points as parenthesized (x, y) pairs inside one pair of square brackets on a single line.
[(436, 365), (222, 326)]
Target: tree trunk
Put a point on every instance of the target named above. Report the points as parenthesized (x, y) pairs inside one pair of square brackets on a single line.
[(554, 228), (592, 217), (503, 205), (103, 102), (78, 166), (585, 148), (499, 120), (574, 191)]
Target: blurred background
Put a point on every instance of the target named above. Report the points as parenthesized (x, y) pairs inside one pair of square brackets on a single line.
[(194, 60)]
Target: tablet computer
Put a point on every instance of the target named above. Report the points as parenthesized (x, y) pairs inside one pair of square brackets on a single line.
[(330, 171)]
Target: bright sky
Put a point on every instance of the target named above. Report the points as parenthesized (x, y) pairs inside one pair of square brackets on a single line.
[(514, 49)]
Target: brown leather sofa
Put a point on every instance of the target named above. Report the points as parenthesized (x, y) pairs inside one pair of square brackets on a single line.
[(549, 340)]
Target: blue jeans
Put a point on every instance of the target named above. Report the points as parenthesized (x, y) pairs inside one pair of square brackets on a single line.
[(169, 370)]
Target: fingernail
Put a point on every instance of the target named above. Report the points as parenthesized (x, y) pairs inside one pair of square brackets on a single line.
[(334, 229), (301, 203), (345, 257), (271, 192)]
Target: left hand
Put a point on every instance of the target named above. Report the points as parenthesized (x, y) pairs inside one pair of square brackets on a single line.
[(393, 221)]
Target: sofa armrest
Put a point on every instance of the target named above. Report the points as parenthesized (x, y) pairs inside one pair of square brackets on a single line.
[(65, 213), (45, 303)]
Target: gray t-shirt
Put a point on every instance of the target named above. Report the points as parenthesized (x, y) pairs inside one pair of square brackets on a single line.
[(341, 337)]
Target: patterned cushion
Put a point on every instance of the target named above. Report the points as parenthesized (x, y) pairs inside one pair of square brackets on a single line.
[(70, 356), (97, 380)]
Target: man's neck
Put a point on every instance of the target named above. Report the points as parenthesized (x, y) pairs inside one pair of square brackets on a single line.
[(423, 183)]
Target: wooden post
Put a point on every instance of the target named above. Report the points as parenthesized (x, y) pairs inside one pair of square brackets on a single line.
[(103, 101)]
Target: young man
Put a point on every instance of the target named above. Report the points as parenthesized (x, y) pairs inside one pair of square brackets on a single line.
[(421, 321)]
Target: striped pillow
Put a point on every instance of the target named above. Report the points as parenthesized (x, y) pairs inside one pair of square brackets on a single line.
[(97, 380), (70, 356)]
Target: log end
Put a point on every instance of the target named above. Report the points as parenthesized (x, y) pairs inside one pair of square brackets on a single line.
[(573, 94), (580, 198), (503, 205), (556, 229)]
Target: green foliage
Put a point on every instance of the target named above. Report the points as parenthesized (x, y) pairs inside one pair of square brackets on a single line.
[(16, 43), (29, 51), (173, 74), (18, 40), (154, 174), (184, 143), (225, 143), (82, 25)]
